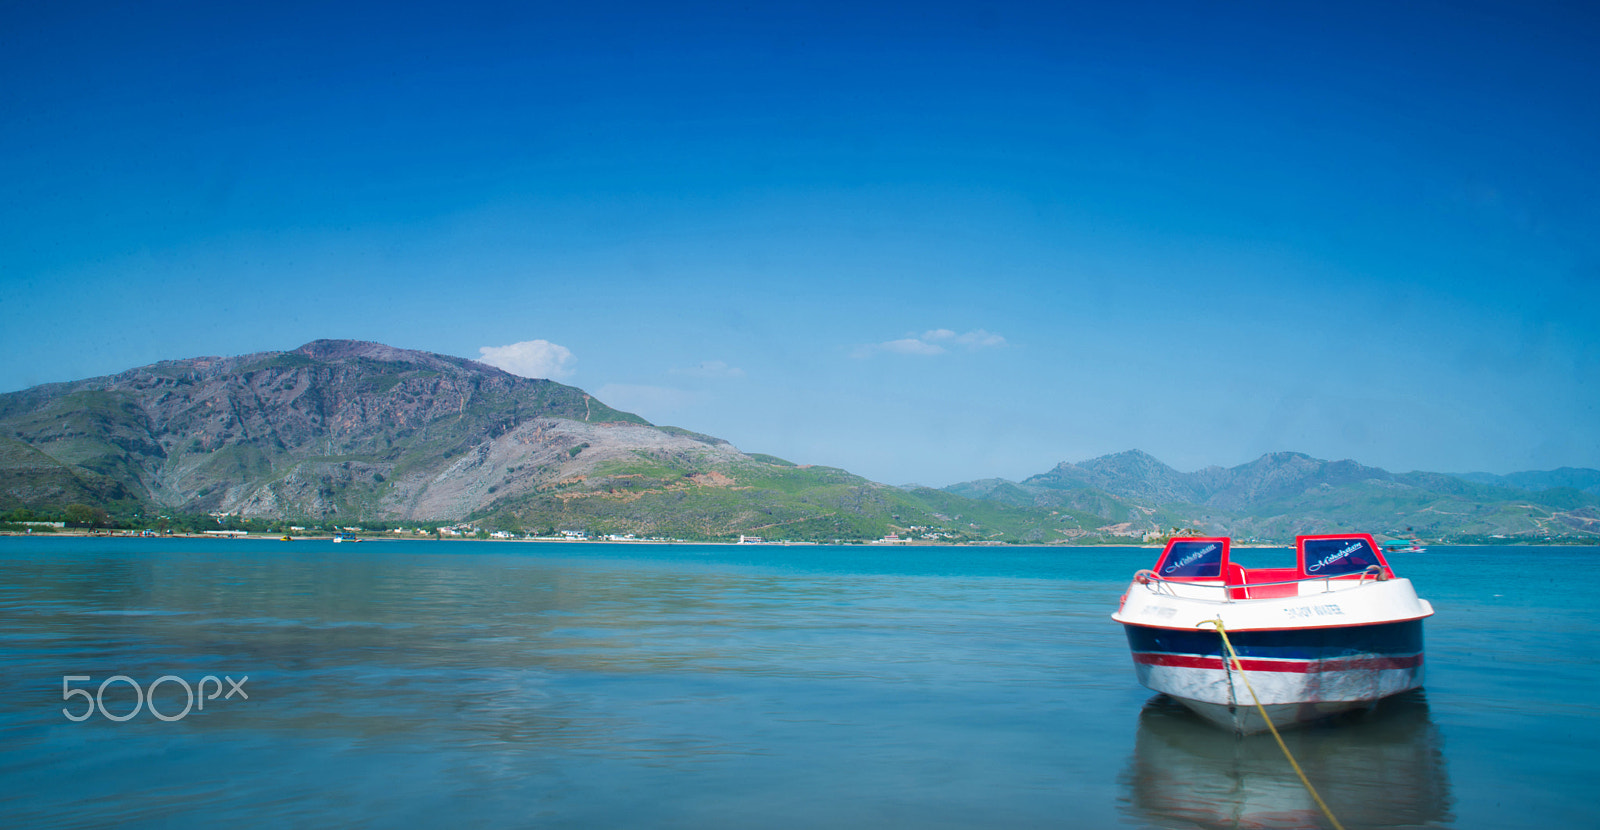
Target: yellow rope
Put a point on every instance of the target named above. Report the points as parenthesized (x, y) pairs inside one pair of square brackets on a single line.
[(1239, 665)]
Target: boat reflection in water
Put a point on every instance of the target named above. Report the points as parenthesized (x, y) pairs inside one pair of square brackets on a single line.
[(1380, 767)]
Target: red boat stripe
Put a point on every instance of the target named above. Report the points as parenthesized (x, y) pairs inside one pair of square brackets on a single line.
[(1199, 661)]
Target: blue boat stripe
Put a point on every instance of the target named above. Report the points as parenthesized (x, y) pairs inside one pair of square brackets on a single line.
[(1398, 638)]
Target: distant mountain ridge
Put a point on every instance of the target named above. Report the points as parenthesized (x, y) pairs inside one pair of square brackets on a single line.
[(350, 431), (1137, 475), (1283, 494), (1576, 478)]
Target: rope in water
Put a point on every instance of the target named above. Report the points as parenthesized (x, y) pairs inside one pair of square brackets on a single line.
[(1239, 666)]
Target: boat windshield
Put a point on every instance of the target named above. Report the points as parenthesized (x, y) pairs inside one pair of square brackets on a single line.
[(1337, 556), (1193, 559)]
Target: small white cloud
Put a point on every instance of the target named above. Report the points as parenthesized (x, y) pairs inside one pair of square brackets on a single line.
[(928, 344), (911, 345), (531, 359), (711, 369), (980, 339)]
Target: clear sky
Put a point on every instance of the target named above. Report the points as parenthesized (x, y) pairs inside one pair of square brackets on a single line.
[(926, 242)]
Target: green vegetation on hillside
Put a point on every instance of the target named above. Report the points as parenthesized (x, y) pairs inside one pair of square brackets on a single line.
[(360, 434)]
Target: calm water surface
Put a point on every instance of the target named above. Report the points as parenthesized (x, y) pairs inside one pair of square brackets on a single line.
[(518, 684)]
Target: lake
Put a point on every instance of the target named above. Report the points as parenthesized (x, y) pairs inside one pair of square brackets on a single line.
[(431, 684)]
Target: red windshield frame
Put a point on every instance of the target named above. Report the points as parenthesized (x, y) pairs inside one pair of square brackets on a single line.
[(1372, 544), (1162, 563)]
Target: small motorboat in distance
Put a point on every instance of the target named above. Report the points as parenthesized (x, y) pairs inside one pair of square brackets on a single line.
[(1337, 632), (1404, 546)]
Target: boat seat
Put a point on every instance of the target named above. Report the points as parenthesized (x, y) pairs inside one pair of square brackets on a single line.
[(1235, 580), (1246, 584)]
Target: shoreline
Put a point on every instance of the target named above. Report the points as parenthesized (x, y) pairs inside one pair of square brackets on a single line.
[(274, 537), (77, 533)]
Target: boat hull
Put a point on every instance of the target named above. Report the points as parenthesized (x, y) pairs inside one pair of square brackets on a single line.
[(1298, 674)]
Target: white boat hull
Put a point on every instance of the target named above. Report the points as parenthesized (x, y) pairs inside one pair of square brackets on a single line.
[(1301, 667), (1326, 679)]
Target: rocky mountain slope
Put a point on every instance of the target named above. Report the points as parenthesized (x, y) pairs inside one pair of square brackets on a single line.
[(362, 432), (309, 431)]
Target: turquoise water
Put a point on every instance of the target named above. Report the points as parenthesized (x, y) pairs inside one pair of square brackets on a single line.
[(518, 684)]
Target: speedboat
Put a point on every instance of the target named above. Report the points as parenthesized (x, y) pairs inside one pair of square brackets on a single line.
[(1339, 631)]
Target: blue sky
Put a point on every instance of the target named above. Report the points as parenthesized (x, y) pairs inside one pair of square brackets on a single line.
[(924, 242)]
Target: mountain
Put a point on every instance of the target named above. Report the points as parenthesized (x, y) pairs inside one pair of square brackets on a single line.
[(1133, 475), (313, 431), (361, 432), (353, 432), (1576, 478), (1284, 494)]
